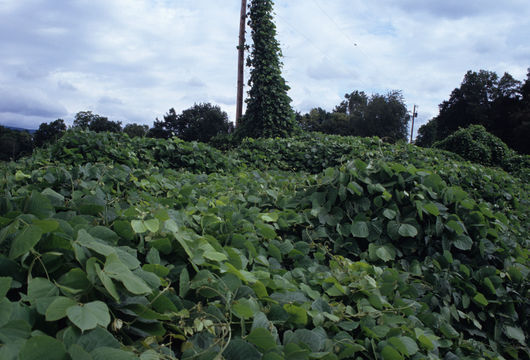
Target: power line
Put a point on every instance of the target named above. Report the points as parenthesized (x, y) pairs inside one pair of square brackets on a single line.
[(346, 35)]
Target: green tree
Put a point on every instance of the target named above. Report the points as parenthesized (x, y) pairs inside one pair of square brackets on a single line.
[(385, 116), (201, 122), (269, 113), (136, 130), (47, 133), (88, 121), (14, 144), (498, 104)]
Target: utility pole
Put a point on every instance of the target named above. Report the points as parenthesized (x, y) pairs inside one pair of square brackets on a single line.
[(414, 115), (241, 62)]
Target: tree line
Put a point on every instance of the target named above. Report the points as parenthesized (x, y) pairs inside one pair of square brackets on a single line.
[(500, 104)]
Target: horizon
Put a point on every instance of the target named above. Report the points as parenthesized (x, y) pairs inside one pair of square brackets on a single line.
[(132, 61)]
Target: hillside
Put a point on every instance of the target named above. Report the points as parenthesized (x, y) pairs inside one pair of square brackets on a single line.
[(315, 247)]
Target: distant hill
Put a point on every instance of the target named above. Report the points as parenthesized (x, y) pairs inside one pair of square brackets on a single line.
[(31, 131)]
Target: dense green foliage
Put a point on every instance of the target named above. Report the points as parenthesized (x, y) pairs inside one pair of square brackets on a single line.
[(385, 116), (269, 112), (136, 130), (501, 105), (477, 145), (120, 248), (86, 120), (14, 143), (201, 122), (49, 133)]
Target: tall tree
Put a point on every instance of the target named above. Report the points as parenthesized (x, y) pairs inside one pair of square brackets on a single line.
[(269, 113), (47, 133), (385, 116), (201, 122), (501, 105), (88, 121)]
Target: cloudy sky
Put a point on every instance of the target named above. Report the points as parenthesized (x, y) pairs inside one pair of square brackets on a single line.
[(133, 60)]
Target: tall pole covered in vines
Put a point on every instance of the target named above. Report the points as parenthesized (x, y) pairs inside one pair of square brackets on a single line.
[(269, 112)]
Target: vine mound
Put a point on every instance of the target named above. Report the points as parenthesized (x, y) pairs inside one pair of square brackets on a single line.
[(118, 248)]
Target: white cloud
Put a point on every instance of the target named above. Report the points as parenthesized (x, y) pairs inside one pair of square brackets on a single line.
[(132, 60)]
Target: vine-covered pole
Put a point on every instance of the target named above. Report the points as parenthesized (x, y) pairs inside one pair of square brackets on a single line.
[(241, 61)]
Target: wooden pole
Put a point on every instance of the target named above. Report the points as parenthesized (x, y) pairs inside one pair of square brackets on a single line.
[(241, 62), (414, 114)]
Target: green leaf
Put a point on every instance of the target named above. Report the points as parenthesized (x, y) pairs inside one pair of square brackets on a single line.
[(115, 269), (86, 240), (456, 226), (239, 349), (515, 333), (138, 226), (107, 282), (298, 314), (407, 230), (184, 283), (5, 285), (26, 239), (6, 309), (152, 225), (269, 217), (107, 353), (245, 308), (405, 345), (359, 229), (262, 338), (389, 214), (90, 315), (480, 299), (266, 231), (449, 331), (43, 348), (46, 226), (385, 253), (389, 353), (463, 242), (19, 176), (431, 209), (78, 353), (57, 309), (426, 342), (215, 256)]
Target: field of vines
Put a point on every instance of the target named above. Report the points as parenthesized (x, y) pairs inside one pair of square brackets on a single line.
[(314, 247)]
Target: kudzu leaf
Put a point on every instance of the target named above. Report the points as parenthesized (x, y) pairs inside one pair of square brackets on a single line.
[(106, 353), (448, 331), (298, 314), (360, 229), (262, 338), (57, 309), (407, 230), (107, 282), (90, 315), (26, 239), (406, 345), (138, 226), (5, 285), (115, 269), (463, 242), (43, 347), (389, 214), (152, 225), (431, 209), (389, 353), (515, 333), (239, 349)]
